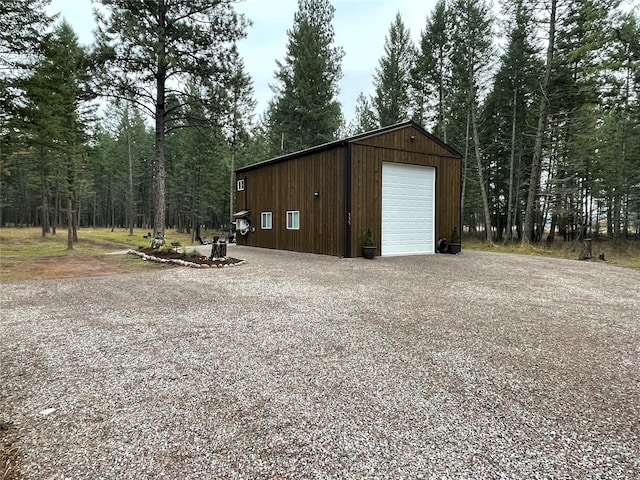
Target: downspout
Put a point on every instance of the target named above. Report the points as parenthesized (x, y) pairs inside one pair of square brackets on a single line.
[(460, 180), (246, 207), (347, 200)]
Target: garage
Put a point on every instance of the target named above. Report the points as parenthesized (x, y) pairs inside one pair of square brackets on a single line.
[(408, 209), (399, 182)]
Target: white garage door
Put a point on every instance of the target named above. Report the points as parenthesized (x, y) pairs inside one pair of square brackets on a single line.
[(408, 209)]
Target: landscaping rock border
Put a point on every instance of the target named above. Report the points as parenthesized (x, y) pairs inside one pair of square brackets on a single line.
[(184, 263)]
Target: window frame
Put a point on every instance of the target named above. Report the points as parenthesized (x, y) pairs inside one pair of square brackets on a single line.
[(291, 215), (240, 185), (263, 216)]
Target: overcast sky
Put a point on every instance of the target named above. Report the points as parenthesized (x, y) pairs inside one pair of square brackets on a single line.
[(360, 27)]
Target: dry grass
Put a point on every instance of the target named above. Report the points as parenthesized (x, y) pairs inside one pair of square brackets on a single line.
[(29, 242), (623, 253), (9, 466), (10, 452), (26, 255)]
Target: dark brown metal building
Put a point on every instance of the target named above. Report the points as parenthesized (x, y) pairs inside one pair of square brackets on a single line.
[(400, 181)]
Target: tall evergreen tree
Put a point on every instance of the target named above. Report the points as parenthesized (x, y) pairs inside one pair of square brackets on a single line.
[(472, 53), (617, 164), (56, 120), (364, 119), (23, 25), (392, 80), (196, 171), (23, 28), (508, 114), (123, 138), (151, 49), (543, 113), (134, 148), (305, 110), (237, 126), (432, 71), (20, 21), (584, 31)]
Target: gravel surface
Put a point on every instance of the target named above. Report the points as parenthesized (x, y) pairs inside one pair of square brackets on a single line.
[(302, 366)]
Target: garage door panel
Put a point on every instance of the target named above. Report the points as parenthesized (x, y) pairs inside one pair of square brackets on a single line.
[(408, 198)]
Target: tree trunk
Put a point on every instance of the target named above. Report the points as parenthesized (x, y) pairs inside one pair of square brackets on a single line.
[(536, 164), (70, 217), (483, 189), (476, 145), (512, 158), (76, 219), (160, 171), (625, 221), (617, 207), (55, 219), (45, 204), (552, 228), (231, 185), (441, 94), (130, 203), (69, 223), (464, 168)]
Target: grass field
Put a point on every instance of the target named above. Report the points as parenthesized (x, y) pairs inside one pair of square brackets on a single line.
[(29, 242), (625, 253), (25, 254)]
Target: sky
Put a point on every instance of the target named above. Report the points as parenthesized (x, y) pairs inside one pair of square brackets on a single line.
[(360, 28)]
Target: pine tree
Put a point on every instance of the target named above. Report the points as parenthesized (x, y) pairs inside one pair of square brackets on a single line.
[(582, 34), (305, 110), (472, 53), (23, 28), (134, 148), (150, 50), (23, 24), (536, 163), (392, 80), (122, 137), (508, 113), (364, 119), (241, 107), (616, 165), (56, 120), (432, 71)]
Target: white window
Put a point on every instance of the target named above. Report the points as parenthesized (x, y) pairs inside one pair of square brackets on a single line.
[(266, 220), (240, 184), (293, 220)]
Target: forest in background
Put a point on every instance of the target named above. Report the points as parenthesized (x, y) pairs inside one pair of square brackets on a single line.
[(543, 101)]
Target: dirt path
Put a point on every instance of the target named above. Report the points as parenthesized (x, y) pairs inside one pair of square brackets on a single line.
[(70, 266)]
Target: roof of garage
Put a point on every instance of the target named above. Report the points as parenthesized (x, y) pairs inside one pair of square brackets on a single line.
[(362, 136)]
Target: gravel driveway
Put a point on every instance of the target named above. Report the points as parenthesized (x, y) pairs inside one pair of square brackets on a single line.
[(302, 366)]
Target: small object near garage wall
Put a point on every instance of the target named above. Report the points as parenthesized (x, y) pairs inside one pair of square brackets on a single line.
[(400, 181)]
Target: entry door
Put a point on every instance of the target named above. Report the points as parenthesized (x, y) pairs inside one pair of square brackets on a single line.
[(408, 209)]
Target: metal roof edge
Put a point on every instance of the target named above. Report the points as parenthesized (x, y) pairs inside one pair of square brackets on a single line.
[(282, 158), (344, 141)]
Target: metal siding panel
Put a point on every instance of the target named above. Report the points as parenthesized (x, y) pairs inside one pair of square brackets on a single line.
[(290, 185)]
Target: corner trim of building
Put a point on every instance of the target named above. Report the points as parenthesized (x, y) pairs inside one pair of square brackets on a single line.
[(347, 201)]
